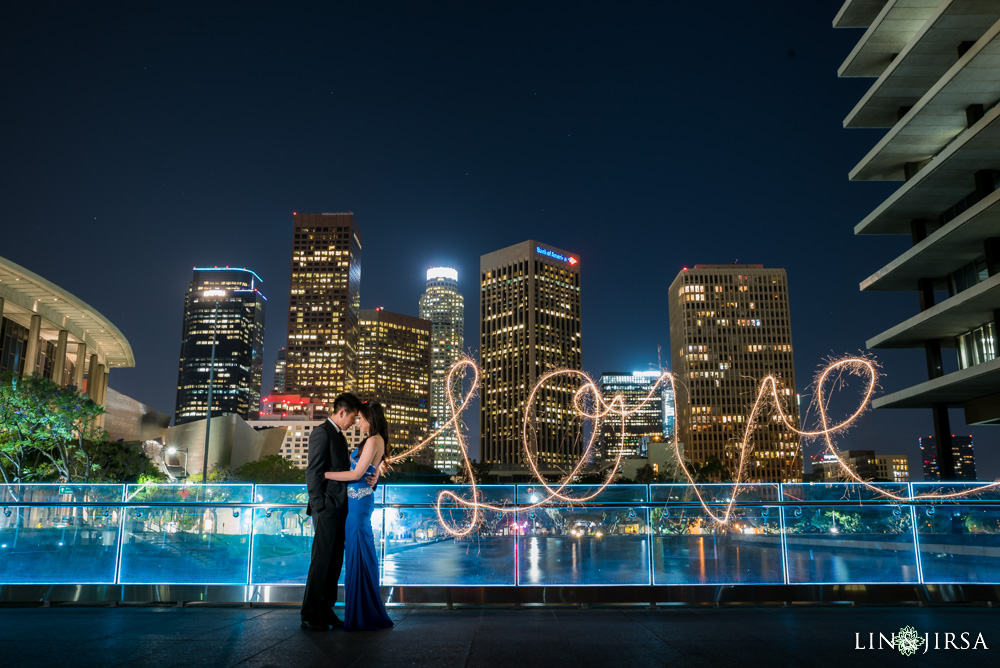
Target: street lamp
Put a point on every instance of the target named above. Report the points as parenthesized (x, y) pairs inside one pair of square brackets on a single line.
[(211, 378), (173, 451)]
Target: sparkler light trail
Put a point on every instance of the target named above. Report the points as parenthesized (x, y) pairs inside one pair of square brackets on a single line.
[(590, 404)]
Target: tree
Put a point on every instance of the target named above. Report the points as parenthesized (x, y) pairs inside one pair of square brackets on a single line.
[(480, 472), (599, 477), (270, 469), (121, 462), (646, 475), (273, 469), (218, 474), (711, 470), (43, 427)]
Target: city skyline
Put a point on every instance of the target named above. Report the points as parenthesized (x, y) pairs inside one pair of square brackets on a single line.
[(208, 148)]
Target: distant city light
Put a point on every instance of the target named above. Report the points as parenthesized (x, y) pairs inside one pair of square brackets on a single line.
[(442, 272)]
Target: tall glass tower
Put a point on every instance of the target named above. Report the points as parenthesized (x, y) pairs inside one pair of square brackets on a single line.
[(648, 422), (279, 372), (444, 307), (222, 340)]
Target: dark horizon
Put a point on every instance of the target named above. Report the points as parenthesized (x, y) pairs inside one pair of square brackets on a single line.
[(144, 141)]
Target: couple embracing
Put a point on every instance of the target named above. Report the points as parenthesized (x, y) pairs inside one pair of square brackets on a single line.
[(341, 501)]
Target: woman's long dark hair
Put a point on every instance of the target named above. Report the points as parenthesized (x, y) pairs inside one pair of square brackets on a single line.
[(374, 414)]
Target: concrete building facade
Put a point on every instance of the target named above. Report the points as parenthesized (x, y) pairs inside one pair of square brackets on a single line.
[(935, 92), (529, 324), (865, 464), (730, 327), (324, 306), (394, 368), (46, 330), (232, 442)]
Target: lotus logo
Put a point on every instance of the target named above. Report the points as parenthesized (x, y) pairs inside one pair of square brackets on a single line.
[(908, 641)]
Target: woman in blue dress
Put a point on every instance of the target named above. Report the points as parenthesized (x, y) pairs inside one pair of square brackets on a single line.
[(363, 608)]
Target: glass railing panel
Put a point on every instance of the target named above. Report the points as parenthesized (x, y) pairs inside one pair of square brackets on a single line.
[(832, 543), (959, 543), (692, 546), (598, 541), (421, 550), (185, 543), (59, 544), (282, 537)]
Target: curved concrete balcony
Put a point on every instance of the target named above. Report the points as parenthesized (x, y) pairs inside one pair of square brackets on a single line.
[(940, 115), (26, 294), (887, 35), (944, 181), (858, 13), (956, 389), (923, 61), (943, 251), (943, 322)]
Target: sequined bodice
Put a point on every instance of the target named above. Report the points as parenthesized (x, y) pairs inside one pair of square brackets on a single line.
[(359, 488)]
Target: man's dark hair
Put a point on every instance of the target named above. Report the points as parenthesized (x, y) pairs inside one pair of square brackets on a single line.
[(347, 402)]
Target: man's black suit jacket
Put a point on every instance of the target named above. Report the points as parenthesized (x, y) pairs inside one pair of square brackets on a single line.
[(327, 452)]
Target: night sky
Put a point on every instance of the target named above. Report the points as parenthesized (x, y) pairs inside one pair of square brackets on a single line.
[(142, 140)]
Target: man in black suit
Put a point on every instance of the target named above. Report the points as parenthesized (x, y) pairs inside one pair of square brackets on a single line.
[(328, 508)]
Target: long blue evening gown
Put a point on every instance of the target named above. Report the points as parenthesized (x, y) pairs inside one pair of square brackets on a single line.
[(363, 608)]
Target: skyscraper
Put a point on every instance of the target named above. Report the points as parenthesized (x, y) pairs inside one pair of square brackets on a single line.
[(279, 372), (530, 324), (647, 423), (443, 306), (323, 306), (962, 455), (394, 368), (934, 91), (729, 328), (222, 341)]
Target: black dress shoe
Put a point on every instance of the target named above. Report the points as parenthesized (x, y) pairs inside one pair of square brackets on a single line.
[(314, 626), (334, 621)]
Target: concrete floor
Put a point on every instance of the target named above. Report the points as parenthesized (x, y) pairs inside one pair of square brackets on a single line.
[(549, 637)]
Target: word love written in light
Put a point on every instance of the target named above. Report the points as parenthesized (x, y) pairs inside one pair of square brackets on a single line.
[(590, 404)]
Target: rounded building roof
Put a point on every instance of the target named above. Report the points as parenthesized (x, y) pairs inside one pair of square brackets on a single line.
[(26, 293)]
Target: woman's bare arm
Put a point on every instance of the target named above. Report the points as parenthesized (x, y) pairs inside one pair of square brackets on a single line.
[(373, 447)]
